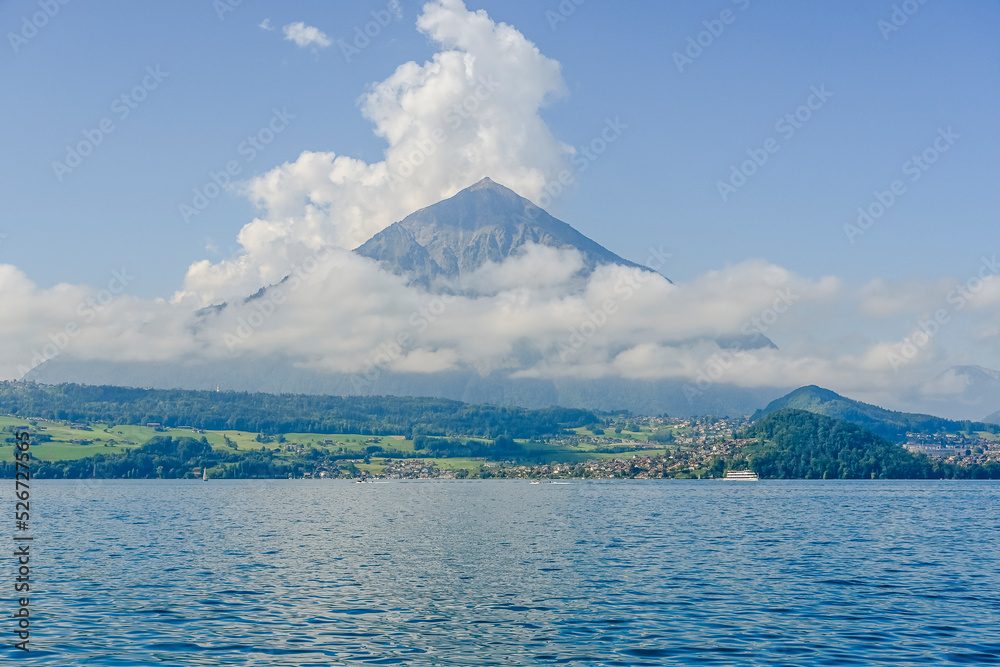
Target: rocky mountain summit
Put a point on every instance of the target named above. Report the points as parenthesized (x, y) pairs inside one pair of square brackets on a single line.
[(485, 222)]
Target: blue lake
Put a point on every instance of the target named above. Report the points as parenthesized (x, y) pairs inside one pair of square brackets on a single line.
[(509, 573)]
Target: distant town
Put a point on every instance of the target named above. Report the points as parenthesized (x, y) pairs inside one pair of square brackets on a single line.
[(137, 434), (954, 448)]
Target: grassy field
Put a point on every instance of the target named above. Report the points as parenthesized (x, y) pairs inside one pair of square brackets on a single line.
[(71, 442)]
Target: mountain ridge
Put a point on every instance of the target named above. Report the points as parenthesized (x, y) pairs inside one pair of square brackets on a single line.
[(890, 424)]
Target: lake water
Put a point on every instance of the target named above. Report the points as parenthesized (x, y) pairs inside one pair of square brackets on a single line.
[(509, 573)]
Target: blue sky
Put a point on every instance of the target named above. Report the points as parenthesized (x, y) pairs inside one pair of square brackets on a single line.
[(656, 186), (873, 85)]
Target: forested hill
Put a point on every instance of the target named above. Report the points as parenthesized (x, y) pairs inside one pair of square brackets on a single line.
[(799, 444), (886, 423), (282, 413)]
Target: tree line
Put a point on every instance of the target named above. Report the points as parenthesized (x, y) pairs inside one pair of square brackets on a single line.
[(273, 414)]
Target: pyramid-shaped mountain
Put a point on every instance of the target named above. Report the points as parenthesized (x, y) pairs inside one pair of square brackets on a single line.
[(485, 222)]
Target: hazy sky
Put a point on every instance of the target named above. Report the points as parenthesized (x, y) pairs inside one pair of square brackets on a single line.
[(733, 134)]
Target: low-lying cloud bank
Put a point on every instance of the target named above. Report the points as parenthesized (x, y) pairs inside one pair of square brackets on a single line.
[(340, 313)]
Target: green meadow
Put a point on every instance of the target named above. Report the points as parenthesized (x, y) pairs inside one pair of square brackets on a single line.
[(64, 441), (67, 442)]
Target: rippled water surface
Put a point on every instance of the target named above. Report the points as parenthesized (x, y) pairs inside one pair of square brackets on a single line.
[(509, 573)]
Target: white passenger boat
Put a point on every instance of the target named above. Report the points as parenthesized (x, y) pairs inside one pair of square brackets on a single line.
[(742, 475)]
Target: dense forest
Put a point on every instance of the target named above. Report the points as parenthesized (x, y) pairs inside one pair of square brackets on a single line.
[(795, 444), (283, 413)]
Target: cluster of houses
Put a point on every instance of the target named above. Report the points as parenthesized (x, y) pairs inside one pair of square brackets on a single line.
[(954, 448), (414, 469), (704, 430), (682, 430), (678, 463)]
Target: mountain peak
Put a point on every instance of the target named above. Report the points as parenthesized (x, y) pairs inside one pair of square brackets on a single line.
[(485, 222), (487, 182)]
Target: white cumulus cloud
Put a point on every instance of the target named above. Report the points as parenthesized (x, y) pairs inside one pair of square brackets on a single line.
[(470, 111), (304, 35)]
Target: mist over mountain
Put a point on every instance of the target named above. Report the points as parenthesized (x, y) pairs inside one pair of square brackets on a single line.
[(484, 239), (486, 243), (483, 223), (459, 245), (281, 375), (960, 392)]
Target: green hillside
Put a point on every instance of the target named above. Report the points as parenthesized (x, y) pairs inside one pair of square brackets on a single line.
[(795, 444), (889, 424)]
